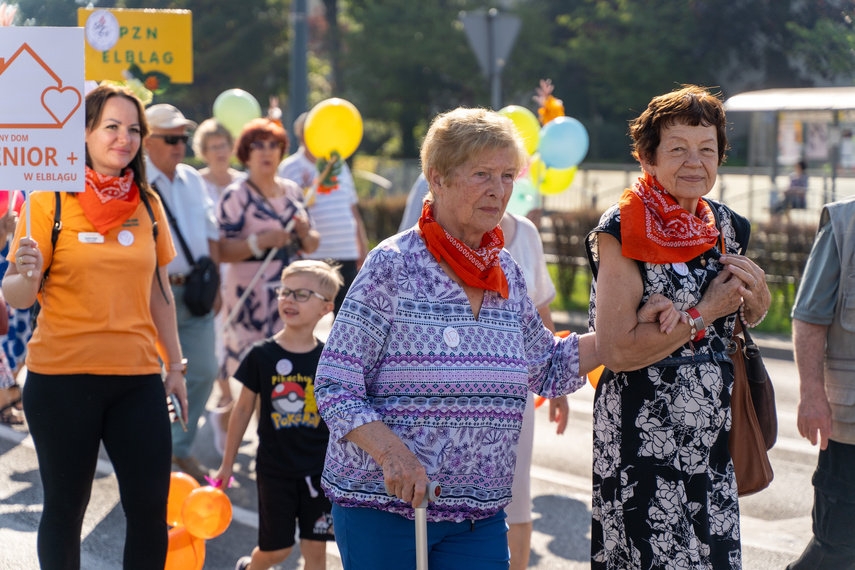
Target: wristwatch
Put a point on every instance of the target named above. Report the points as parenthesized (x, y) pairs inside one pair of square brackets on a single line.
[(182, 366), (699, 329)]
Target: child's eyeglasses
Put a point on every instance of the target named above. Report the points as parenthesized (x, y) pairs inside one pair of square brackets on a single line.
[(173, 140), (300, 295), (261, 145)]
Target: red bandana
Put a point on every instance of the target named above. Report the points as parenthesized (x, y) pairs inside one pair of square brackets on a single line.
[(654, 228), (109, 200), (478, 268)]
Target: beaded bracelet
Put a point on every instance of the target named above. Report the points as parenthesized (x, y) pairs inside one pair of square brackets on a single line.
[(747, 324)]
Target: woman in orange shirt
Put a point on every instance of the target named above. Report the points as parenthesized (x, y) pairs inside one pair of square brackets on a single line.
[(93, 370)]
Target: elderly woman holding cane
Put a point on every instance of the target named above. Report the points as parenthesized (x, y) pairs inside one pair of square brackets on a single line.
[(93, 370), (262, 224), (427, 367), (664, 492)]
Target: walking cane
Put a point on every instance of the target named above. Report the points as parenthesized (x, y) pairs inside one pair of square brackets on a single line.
[(310, 194), (432, 493)]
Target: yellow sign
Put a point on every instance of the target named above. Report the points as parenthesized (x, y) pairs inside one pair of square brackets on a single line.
[(153, 40)]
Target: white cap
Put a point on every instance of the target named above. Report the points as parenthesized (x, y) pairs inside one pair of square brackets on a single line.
[(163, 116)]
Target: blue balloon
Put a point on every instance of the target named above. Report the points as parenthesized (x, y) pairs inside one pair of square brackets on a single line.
[(563, 143), (524, 198)]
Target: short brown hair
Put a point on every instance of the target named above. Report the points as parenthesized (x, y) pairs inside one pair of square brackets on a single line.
[(260, 130), (328, 276), (456, 136), (691, 105), (95, 102)]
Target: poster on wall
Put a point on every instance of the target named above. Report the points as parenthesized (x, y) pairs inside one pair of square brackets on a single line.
[(816, 141), (42, 117), (789, 140)]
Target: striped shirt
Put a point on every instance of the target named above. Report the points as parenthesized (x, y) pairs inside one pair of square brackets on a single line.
[(406, 349), (332, 213)]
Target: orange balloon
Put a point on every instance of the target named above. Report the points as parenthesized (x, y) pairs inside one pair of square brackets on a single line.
[(185, 552), (594, 375), (207, 512), (180, 487)]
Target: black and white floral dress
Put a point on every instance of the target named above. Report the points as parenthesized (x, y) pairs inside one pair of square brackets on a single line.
[(664, 493)]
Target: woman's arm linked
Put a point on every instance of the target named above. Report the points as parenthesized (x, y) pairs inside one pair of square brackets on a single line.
[(623, 343), (163, 315)]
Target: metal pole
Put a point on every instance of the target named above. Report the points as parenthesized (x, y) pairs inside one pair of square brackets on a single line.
[(495, 72), (298, 74)]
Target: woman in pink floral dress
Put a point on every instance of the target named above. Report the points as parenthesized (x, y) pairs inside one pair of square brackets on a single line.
[(255, 216)]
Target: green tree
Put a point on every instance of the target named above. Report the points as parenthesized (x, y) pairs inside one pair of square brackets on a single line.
[(405, 61)]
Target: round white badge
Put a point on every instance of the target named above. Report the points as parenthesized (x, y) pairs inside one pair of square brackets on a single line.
[(284, 367), (450, 336), (126, 238), (681, 268), (102, 30)]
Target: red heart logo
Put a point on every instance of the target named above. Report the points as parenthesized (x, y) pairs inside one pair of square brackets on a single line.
[(61, 103)]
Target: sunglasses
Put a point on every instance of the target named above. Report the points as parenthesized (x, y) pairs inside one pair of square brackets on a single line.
[(261, 145), (173, 140), (300, 295)]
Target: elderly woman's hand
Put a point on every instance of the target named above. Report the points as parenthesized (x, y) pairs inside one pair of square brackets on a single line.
[(755, 293), (659, 308), (723, 297), (404, 475), (273, 238)]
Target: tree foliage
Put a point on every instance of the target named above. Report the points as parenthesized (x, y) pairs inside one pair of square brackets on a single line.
[(406, 60), (402, 61)]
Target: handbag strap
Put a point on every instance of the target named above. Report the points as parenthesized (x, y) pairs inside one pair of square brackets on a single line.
[(190, 259)]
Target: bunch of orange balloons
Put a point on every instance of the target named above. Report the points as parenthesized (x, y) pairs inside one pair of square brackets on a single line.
[(195, 514)]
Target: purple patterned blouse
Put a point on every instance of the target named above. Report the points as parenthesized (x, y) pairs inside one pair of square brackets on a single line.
[(405, 349)]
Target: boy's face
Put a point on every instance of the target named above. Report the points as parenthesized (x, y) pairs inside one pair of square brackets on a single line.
[(306, 313)]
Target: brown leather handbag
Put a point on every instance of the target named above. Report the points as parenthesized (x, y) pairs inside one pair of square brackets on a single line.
[(754, 420)]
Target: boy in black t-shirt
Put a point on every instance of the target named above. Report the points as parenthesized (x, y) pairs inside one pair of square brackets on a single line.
[(292, 437)]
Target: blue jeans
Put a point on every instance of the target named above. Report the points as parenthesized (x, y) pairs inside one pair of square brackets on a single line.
[(369, 539), (196, 335)]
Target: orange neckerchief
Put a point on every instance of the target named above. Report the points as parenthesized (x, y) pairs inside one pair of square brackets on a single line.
[(477, 267), (654, 228), (109, 200)]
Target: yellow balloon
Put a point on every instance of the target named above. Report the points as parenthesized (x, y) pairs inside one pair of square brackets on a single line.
[(557, 180), (333, 125), (526, 123), (537, 170)]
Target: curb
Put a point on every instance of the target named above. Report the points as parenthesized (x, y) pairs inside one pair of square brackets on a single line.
[(772, 345)]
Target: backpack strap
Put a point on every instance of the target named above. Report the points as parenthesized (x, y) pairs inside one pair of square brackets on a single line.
[(54, 235), (154, 232)]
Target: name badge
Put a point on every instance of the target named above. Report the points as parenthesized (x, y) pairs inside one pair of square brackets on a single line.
[(90, 237)]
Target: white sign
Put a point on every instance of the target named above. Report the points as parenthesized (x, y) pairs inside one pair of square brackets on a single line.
[(42, 112)]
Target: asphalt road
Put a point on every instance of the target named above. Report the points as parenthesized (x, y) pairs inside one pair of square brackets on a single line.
[(775, 523)]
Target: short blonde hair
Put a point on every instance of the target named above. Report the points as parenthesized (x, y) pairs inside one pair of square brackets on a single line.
[(209, 128), (328, 276), (456, 136)]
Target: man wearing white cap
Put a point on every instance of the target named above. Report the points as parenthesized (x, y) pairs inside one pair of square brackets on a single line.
[(191, 214)]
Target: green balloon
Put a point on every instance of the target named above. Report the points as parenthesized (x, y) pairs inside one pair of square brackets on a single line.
[(524, 198), (234, 108)]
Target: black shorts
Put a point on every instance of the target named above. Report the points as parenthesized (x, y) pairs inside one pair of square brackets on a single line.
[(282, 502)]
